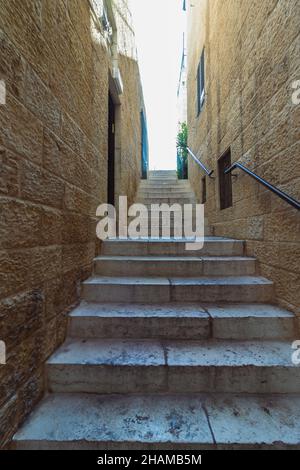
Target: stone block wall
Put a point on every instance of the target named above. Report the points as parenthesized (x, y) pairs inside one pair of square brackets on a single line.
[(252, 59), (53, 174)]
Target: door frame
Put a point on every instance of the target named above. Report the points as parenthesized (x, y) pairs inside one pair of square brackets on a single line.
[(112, 92)]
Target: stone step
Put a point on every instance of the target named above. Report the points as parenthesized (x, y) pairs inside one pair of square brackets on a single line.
[(162, 188), (155, 290), (174, 266), (177, 181), (157, 230), (170, 247), (162, 173), (162, 180), (157, 214), (160, 183), (164, 192), (166, 200), (182, 321), (162, 422), (136, 366)]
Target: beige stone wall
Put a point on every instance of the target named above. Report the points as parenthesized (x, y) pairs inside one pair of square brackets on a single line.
[(53, 167), (252, 59)]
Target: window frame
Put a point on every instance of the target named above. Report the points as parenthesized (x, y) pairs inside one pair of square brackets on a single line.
[(201, 83)]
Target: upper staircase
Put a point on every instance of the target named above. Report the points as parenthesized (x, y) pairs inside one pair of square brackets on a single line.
[(172, 349)]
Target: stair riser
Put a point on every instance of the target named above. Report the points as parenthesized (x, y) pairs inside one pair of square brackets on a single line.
[(164, 192), (182, 328), (162, 172), (181, 293), (163, 189), (166, 200), (254, 328), (140, 328), (106, 379), (162, 181), (170, 202), (170, 249), (157, 233), (167, 268), (110, 446)]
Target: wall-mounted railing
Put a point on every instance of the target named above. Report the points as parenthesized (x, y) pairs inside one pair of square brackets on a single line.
[(284, 196), (199, 163)]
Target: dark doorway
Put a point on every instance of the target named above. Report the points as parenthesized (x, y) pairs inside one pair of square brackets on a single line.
[(203, 190), (111, 152), (225, 182)]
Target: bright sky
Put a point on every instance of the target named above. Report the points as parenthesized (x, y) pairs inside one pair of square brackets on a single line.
[(159, 26)]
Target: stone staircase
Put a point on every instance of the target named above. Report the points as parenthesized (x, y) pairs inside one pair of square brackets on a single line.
[(171, 349), (163, 187)]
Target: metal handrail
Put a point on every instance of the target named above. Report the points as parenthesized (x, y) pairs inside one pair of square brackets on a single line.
[(206, 170), (290, 200)]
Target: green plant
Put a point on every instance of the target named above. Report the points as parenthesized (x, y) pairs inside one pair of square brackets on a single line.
[(182, 153)]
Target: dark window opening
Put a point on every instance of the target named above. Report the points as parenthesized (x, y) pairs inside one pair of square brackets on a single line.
[(204, 196), (225, 181), (201, 83)]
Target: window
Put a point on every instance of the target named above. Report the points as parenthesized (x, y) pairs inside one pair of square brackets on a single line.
[(204, 197), (225, 182), (201, 83)]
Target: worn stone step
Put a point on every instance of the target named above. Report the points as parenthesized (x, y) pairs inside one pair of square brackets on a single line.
[(162, 173), (179, 205), (143, 321), (157, 230), (168, 266), (170, 247), (148, 196), (164, 182), (155, 290), (135, 366), (158, 422), (182, 321), (181, 191), (165, 189), (166, 200), (158, 180)]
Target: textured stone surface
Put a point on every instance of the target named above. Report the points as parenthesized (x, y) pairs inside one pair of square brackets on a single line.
[(135, 366), (173, 266), (183, 321), (251, 63), (256, 321), (212, 247), (78, 421), (169, 349), (245, 420), (160, 289), (139, 321), (141, 420), (53, 174)]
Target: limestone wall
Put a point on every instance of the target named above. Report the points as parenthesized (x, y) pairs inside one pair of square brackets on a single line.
[(55, 61), (252, 59)]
